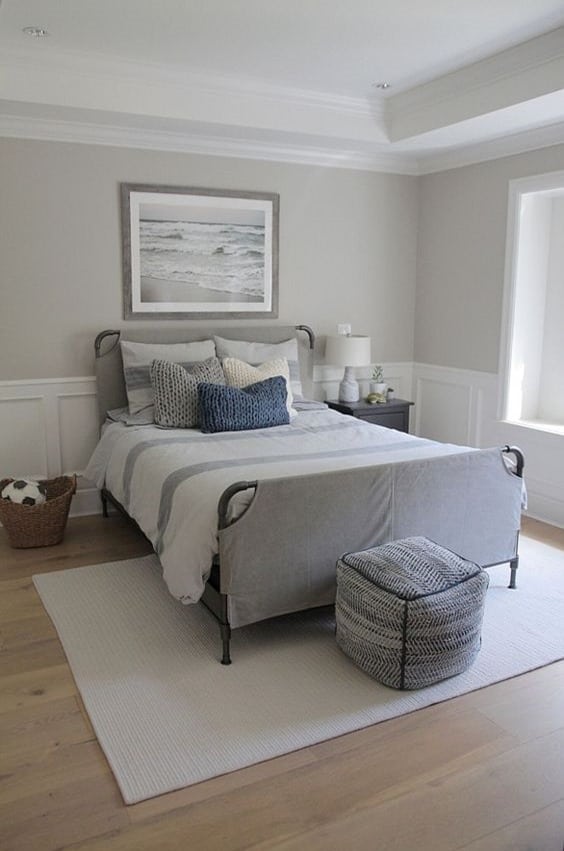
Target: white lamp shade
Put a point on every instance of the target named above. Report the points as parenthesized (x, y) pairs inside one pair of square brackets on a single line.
[(348, 350)]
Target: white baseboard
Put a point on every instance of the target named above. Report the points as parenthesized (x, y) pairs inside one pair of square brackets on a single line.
[(86, 500), (545, 501)]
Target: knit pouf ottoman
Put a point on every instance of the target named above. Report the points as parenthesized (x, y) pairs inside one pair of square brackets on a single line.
[(409, 613)]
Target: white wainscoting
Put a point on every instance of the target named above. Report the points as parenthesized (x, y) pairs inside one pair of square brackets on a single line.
[(452, 404), (49, 428), (461, 406)]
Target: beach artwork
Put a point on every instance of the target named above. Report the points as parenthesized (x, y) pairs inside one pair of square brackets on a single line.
[(200, 254)]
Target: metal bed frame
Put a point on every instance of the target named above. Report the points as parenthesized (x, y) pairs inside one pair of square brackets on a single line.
[(213, 598), (218, 603)]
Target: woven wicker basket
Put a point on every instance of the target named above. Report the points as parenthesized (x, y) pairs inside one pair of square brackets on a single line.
[(39, 525)]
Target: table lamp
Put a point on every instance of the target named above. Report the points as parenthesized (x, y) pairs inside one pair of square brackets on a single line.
[(348, 350)]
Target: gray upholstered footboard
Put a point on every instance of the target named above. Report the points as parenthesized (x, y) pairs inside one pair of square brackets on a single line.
[(280, 555)]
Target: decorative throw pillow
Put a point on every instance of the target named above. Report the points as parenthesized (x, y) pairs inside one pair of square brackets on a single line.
[(256, 353), (138, 357), (260, 405), (176, 390), (241, 374)]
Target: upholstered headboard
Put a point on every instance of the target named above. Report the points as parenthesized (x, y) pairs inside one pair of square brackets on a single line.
[(109, 366)]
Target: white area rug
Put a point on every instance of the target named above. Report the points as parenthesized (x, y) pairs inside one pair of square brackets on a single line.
[(167, 714)]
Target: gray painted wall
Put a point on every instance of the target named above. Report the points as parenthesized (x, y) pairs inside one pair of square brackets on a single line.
[(461, 259), (347, 247), (417, 263)]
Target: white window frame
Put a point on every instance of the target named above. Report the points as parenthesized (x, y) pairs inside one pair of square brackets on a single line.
[(517, 189)]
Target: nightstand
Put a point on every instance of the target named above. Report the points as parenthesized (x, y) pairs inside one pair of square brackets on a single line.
[(394, 414)]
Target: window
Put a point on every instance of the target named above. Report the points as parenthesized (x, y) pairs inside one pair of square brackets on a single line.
[(532, 367)]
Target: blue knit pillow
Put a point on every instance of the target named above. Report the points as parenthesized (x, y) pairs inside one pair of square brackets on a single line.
[(259, 405)]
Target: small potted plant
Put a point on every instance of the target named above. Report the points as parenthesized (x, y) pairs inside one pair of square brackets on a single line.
[(377, 383)]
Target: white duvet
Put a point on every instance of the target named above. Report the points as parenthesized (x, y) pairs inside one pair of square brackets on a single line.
[(170, 481)]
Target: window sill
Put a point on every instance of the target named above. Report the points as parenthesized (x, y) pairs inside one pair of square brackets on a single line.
[(538, 425)]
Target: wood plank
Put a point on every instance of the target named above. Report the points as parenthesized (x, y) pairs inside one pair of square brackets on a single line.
[(540, 831), (536, 530), (16, 634), (66, 814), (36, 656), (36, 731), (53, 770), (535, 713), (30, 688), (18, 600), (449, 812), (88, 540)]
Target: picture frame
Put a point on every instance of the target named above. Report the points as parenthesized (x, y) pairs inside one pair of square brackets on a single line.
[(196, 253)]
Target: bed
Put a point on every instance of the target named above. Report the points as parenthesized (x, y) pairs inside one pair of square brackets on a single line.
[(251, 523)]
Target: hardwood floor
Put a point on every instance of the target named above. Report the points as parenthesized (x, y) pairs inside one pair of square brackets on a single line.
[(482, 772)]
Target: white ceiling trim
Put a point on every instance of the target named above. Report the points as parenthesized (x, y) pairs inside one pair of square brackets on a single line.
[(81, 132), (516, 143), (150, 94), (54, 130), (89, 98), (110, 69), (527, 71), (524, 57)]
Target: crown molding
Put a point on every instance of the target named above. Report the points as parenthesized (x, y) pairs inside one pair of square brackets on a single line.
[(523, 57), (180, 141), (110, 70), (148, 94), (189, 112), (505, 146), (526, 71)]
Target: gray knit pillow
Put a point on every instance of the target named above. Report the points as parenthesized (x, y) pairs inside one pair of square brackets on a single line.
[(176, 390)]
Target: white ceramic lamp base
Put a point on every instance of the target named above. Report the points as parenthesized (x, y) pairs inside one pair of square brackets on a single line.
[(349, 391)]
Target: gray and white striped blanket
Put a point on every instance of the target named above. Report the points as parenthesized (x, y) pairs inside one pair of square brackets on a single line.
[(170, 481)]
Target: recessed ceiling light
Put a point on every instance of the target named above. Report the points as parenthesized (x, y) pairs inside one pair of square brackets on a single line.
[(383, 85), (36, 32)]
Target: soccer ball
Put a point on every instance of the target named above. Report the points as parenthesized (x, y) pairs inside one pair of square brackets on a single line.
[(25, 492)]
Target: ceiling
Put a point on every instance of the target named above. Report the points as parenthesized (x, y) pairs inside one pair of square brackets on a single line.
[(292, 80)]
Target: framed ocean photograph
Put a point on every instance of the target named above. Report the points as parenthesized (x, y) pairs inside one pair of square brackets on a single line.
[(192, 253)]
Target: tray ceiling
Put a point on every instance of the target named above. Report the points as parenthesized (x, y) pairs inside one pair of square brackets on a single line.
[(294, 81)]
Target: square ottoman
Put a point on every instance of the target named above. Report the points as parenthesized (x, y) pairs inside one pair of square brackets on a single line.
[(409, 613)]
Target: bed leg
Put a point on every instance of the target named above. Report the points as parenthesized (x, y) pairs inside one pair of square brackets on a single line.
[(513, 564), (104, 499), (225, 639)]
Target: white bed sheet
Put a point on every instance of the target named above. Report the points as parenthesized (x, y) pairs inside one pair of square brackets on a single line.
[(170, 481)]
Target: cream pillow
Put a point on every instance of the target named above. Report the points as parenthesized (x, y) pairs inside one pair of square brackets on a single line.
[(255, 353), (241, 374)]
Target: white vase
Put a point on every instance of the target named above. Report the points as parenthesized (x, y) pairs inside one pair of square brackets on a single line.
[(349, 390)]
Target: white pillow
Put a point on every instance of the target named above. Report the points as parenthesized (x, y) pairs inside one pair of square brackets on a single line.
[(241, 374), (256, 353), (138, 357)]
